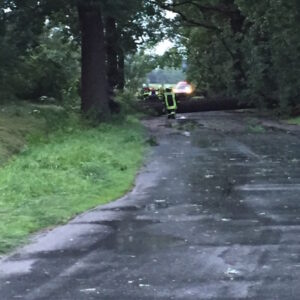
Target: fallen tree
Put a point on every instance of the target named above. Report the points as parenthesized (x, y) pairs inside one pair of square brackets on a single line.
[(196, 105)]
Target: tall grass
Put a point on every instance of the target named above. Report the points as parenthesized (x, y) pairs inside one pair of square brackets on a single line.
[(67, 172)]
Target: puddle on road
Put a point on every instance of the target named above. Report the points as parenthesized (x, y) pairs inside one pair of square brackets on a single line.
[(127, 236), (133, 237), (140, 242), (158, 204), (122, 208), (9, 268), (187, 124), (203, 141), (130, 224)]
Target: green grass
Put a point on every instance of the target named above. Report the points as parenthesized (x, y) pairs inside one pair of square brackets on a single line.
[(64, 173), (16, 123), (294, 121)]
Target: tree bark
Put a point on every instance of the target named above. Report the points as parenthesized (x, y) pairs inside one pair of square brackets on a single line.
[(94, 93), (237, 22), (111, 37), (121, 69)]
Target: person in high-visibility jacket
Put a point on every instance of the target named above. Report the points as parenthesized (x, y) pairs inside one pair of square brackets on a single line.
[(171, 104), (146, 93), (161, 91)]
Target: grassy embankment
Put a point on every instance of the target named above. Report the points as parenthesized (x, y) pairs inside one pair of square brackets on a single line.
[(60, 171)]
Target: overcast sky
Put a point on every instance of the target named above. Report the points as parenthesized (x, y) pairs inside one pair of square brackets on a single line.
[(165, 45)]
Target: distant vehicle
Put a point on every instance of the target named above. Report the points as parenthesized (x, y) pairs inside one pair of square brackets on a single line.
[(183, 91), (183, 88)]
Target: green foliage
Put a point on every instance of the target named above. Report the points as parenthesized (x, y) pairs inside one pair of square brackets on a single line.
[(9, 63), (244, 49), (39, 44), (67, 172), (137, 66), (275, 43), (48, 72), (210, 66), (172, 58), (128, 103)]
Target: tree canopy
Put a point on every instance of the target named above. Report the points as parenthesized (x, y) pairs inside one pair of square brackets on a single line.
[(39, 38), (245, 50)]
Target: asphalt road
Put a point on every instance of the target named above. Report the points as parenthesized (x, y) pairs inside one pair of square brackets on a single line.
[(215, 214)]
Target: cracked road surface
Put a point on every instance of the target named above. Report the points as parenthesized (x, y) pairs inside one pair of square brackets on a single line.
[(215, 214)]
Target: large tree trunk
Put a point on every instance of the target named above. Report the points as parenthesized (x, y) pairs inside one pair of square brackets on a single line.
[(111, 36), (192, 105), (237, 22), (121, 69), (94, 93)]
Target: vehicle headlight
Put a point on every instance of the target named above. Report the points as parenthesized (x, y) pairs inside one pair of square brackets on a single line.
[(188, 90)]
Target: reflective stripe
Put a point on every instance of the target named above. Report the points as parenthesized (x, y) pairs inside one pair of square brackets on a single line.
[(170, 101)]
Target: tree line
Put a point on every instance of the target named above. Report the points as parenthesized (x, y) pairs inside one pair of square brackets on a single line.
[(40, 42), (244, 49)]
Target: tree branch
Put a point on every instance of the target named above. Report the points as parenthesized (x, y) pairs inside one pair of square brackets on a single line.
[(204, 8), (193, 22)]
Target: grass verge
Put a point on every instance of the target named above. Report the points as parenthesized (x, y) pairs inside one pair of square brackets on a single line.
[(294, 121), (64, 173)]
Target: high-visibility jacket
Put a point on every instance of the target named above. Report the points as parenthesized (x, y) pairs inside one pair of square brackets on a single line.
[(170, 101)]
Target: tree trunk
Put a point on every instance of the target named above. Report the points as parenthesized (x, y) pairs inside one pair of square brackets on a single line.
[(190, 105), (111, 36), (94, 94), (237, 23), (121, 69)]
